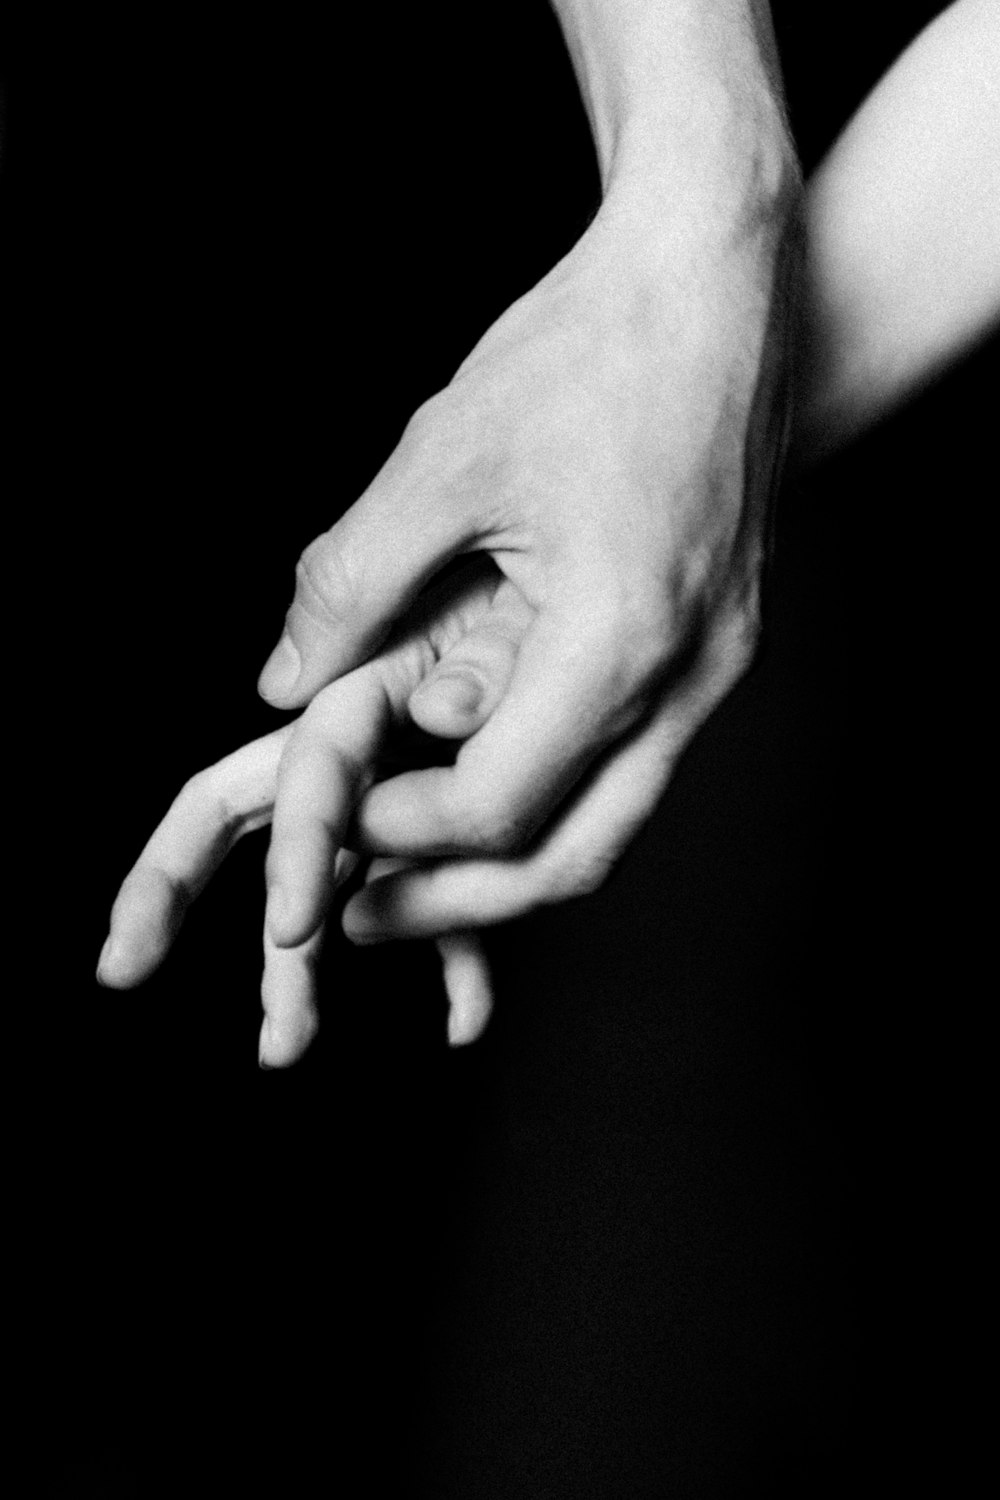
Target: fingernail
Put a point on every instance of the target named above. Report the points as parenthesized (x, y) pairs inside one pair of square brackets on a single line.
[(281, 671)]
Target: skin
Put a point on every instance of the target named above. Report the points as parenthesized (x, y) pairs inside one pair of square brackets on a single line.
[(611, 444), (903, 221), (441, 675), (456, 662)]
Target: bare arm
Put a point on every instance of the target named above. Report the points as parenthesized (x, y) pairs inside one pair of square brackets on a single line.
[(903, 231), (611, 442), (681, 94)]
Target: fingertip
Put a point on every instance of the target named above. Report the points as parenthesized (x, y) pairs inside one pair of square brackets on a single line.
[(276, 682), (271, 1053), (362, 921), (103, 960), (290, 1020), (146, 917), (265, 1047), (126, 965), (465, 1026), (468, 987), (450, 705), (457, 1029), (281, 1046)]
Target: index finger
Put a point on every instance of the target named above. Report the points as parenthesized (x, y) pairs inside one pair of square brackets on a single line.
[(212, 811), (328, 762), (575, 690)]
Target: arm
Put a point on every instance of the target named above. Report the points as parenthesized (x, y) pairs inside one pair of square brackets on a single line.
[(903, 273), (611, 442), (903, 231), (186, 847), (675, 89)]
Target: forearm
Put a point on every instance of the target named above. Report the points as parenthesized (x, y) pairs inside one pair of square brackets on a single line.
[(684, 100), (903, 230)]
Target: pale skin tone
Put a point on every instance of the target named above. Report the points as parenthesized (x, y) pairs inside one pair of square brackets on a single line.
[(461, 656), (610, 444), (444, 673)]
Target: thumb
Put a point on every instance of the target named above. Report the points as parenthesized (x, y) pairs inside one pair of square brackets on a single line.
[(353, 582), (467, 683)]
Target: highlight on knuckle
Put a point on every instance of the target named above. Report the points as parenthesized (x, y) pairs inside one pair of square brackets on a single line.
[(422, 420), (628, 645), (323, 586), (738, 639), (638, 626), (200, 797)]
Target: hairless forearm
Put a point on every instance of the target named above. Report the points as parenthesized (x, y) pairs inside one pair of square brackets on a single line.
[(903, 224)]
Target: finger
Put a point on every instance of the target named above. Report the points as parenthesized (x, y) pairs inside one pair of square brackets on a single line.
[(288, 994), (327, 763), (468, 986), (458, 696), (429, 900), (210, 814), (570, 695), (574, 857), (352, 582), (465, 970)]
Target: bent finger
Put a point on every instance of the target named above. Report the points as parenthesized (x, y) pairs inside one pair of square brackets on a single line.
[(572, 859), (467, 984), (212, 811), (462, 691), (288, 995), (573, 691), (465, 970), (327, 763), (361, 575)]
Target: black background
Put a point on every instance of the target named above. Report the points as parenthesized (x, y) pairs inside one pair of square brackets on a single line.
[(695, 1217)]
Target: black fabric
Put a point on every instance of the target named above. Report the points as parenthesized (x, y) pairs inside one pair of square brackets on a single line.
[(690, 1220)]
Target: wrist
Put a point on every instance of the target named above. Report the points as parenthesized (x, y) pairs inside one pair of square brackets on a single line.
[(684, 100), (726, 211), (724, 143)]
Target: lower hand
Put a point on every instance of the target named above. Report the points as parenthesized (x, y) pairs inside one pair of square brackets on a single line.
[(444, 673)]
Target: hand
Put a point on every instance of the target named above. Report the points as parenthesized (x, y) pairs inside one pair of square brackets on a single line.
[(612, 444), (444, 674)]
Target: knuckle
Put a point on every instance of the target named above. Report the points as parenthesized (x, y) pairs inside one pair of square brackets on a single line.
[(492, 829), (582, 873), (633, 629), (202, 798), (628, 644), (195, 790), (421, 419), (430, 430), (323, 584), (738, 642), (651, 629)]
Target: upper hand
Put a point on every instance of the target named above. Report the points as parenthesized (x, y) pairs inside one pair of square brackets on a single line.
[(443, 672), (611, 442)]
